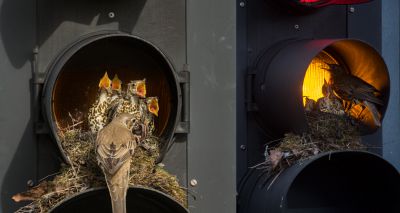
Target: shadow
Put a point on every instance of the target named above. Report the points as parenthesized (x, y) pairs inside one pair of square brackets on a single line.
[(32, 161), (20, 22), (17, 25), (21, 169)]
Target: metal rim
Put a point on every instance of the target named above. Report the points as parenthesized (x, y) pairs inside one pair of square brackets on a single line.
[(300, 53), (62, 58), (140, 188), (255, 193)]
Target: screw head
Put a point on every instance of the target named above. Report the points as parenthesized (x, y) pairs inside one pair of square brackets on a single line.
[(193, 182), (30, 183), (111, 15), (297, 27), (242, 4), (243, 147)]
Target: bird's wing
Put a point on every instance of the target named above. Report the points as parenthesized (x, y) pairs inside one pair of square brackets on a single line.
[(376, 116), (362, 85), (370, 97), (114, 148)]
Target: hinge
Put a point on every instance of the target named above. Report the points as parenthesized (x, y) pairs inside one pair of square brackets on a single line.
[(38, 78), (184, 75), (182, 127), (184, 81)]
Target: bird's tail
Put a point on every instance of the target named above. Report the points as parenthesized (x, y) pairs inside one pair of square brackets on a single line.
[(119, 206), (118, 187), (376, 116)]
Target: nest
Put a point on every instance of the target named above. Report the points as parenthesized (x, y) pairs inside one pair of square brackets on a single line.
[(327, 133), (84, 173)]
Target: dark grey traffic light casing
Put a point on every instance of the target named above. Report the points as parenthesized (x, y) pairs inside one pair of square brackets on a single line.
[(275, 46)]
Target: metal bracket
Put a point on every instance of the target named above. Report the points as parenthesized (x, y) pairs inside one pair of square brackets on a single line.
[(184, 81), (41, 128), (38, 79)]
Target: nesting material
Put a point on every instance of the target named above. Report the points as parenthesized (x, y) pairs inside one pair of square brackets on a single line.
[(84, 173), (327, 132)]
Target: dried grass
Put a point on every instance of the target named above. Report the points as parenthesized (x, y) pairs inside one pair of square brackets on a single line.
[(84, 173), (327, 132)]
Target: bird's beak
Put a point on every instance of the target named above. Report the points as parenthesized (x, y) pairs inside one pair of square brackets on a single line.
[(141, 89), (327, 69), (105, 82), (116, 83), (153, 107)]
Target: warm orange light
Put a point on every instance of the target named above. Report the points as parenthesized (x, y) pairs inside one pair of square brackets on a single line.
[(315, 76)]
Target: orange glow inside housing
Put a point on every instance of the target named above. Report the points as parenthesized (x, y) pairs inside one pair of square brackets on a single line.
[(316, 76)]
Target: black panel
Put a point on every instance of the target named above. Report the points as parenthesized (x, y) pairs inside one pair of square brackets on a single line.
[(139, 200), (267, 23), (260, 25)]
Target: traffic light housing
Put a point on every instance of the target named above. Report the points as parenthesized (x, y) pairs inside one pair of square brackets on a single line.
[(283, 48)]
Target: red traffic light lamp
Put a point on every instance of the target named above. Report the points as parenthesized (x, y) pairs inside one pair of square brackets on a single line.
[(321, 3)]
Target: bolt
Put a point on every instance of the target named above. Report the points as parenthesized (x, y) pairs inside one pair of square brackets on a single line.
[(242, 4), (243, 147), (193, 182), (352, 9), (36, 50), (30, 183), (297, 27), (111, 15)]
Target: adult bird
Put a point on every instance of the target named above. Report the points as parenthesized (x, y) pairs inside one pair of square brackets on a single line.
[(115, 145), (353, 90)]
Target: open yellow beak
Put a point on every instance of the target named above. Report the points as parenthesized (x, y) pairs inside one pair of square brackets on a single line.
[(141, 89), (152, 106), (116, 83), (105, 82)]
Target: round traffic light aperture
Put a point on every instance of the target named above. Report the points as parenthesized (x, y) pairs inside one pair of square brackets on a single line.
[(293, 77)]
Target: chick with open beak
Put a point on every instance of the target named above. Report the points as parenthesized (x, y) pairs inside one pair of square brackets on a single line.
[(152, 105), (137, 88), (97, 116), (116, 84), (105, 82)]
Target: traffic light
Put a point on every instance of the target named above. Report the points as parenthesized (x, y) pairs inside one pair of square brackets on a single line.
[(292, 56), (74, 44)]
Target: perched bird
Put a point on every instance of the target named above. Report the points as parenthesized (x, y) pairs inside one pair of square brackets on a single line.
[(353, 90), (115, 145), (97, 113)]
